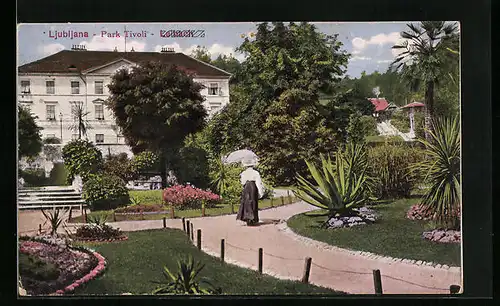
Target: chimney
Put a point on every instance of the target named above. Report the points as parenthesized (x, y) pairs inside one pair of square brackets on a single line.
[(79, 48), (132, 50), (115, 50), (167, 50)]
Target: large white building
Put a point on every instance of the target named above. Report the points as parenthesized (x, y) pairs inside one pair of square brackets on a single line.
[(52, 86)]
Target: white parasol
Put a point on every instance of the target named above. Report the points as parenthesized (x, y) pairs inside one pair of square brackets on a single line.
[(245, 157)]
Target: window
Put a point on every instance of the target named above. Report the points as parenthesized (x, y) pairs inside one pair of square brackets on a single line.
[(51, 112), (25, 87), (74, 136), (75, 87), (26, 105), (99, 138), (99, 87), (120, 139), (51, 87), (213, 89), (99, 112)]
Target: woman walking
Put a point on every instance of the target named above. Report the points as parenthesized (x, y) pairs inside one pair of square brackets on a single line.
[(252, 191)]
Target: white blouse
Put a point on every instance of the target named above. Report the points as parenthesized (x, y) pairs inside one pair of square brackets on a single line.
[(251, 174)]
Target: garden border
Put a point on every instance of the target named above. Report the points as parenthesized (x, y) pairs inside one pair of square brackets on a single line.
[(283, 226), (122, 238), (94, 273)]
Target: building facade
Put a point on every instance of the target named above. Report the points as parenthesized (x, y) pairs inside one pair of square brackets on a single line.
[(53, 87)]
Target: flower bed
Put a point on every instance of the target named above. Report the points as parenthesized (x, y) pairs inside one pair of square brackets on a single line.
[(95, 232), (443, 236), (417, 212), (76, 265), (189, 197)]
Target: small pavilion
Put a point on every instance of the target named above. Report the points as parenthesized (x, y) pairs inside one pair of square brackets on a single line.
[(412, 107)]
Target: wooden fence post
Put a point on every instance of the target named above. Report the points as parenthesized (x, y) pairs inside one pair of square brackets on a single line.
[(232, 208), (70, 213), (377, 280), (142, 214), (272, 201), (183, 224), (454, 289), (164, 222), (192, 230), (114, 216), (172, 212), (198, 238), (307, 270), (222, 249), (261, 254), (282, 200), (85, 215), (39, 229), (188, 227)]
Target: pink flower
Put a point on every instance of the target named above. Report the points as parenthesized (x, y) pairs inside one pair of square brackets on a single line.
[(60, 292)]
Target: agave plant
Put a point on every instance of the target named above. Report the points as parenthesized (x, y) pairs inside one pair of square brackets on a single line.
[(185, 281), (356, 157), (55, 219), (220, 183), (443, 172), (337, 187), (99, 220)]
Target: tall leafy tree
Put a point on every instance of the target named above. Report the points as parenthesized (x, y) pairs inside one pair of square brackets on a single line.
[(422, 61), (156, 106), (201, 53), (30, 139)]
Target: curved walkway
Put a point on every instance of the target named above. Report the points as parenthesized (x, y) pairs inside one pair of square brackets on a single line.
[(284, 254)]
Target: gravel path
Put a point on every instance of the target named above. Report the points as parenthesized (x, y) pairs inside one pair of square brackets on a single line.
[(285, 252)]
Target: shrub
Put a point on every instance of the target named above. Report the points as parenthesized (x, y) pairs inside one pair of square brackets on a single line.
[(58, 175), (52, 153), (94, 231), (121, 166), (192, 166), (389, 166), (82, 158), (104, 191), (188, 196), (32, 267), (361, 126), (145, 161), (225, 180), (147, 196), (33, 177)]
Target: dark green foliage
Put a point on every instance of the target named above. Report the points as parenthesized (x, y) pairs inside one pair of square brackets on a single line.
[(225, 181), (186, 280), (82, 158), (52, 140), (156, 106), (105, 191), (34, 268), (145, 161), (97, 231), (58, 175), (389, 166), (30, 139), (361, 126), (80, 124), (52, 153), (192, 166), (121, 166), (33, 177), (55, 218)]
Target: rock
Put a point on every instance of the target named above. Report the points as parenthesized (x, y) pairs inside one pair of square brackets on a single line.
[(419, 262), (445, 267), (438, 266)]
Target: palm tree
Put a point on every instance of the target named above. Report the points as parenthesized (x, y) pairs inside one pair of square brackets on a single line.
[(80, 122), (423, 61)]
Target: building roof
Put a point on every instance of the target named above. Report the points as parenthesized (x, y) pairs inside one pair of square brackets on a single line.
[(381, 104), (414, 104), (84, 60)]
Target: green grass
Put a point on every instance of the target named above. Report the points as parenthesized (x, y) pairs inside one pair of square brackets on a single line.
[(135, 263), (393, 235), (221, 209), (147, 196), (379, 138)]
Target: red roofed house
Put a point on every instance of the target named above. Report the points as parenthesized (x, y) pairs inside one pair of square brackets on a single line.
[(381, 107), (52, 86)]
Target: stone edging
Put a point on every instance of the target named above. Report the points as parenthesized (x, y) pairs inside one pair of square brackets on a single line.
[(123, 238), (101, 266), (283, 227)]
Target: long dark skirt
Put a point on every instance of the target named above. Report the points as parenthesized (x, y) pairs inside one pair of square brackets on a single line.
[(249, 206)]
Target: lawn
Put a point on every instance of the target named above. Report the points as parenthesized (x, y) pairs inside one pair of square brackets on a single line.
[(135, 263), (393, 235), (221, 209)]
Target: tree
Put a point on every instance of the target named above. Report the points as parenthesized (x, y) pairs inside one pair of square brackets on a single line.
[(80, 123), (30, 139), (227, 63), (201, 53), (156, 106), (422, 60)]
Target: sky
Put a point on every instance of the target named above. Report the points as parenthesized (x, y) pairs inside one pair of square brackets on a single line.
[(369, 43)]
